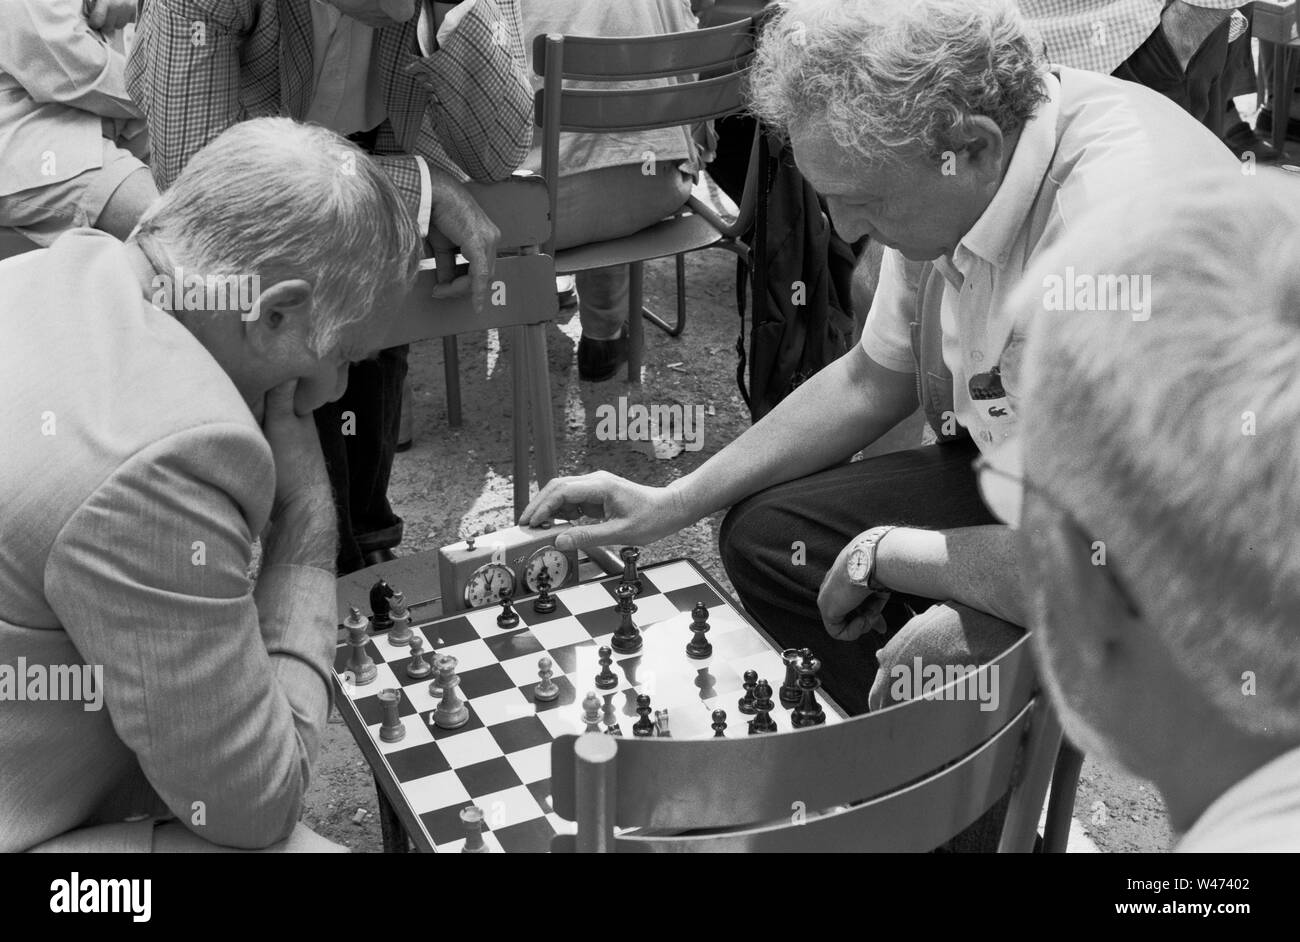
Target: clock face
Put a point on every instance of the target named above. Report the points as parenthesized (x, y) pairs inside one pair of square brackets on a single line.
[(858, 564), (556, 564), (487, 583)]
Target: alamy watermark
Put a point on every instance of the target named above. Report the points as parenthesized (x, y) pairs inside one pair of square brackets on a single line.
[(83, 683), (917, 681), (189, 291), (635, 422), (1078, 291)]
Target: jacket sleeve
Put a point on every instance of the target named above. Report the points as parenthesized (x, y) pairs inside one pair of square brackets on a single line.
[(183, 72), (221, 690)]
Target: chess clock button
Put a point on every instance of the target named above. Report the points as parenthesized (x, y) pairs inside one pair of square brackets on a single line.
[(557, 567), (487, 583)]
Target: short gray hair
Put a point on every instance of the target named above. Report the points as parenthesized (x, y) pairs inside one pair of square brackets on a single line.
[(1173, 440), (891, 79), (282, 200)]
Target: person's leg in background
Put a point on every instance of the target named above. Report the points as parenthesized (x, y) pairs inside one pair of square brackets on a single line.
[(584, 201), (358, 436), (1155, 65), (777, 545)]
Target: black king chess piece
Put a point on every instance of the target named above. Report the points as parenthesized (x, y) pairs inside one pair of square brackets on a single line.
[(809, 712), (380, 607), (699, 646), (544, 604), (627, 639)]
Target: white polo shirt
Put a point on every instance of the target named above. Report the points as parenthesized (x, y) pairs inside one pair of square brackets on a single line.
[(1094, 138)]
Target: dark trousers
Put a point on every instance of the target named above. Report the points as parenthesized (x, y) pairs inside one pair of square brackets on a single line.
[(1200, 90), (358, 435), (932, 487)]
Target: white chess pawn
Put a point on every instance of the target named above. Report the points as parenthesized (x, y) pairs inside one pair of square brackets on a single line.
[(419, 666), (547, 689), (591, 710)]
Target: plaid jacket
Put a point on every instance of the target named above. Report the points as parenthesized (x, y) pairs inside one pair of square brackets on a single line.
[(1097, 35), (199, 66)]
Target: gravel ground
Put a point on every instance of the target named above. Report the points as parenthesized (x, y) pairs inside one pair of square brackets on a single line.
[(455, 482)]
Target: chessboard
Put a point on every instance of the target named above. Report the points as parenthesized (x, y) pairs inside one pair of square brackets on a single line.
[(500, 759)]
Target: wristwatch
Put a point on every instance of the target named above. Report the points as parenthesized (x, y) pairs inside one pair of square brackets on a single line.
[(862, 559)]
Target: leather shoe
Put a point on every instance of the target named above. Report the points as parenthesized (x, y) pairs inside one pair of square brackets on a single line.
[(599, 360)]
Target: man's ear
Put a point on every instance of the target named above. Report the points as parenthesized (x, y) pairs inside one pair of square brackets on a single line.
[(985, 143), (282, 311), (1084, 597)]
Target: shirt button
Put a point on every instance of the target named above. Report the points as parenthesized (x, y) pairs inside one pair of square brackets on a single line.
[(977, 356)]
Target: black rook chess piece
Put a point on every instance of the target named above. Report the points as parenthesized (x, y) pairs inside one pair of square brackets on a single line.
[(699, 646)]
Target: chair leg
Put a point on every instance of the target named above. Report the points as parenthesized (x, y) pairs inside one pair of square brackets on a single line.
[(635, 326), (519, 375), (540, 387), (451, 365), (390, 825), (1060, 802), (676, 329)]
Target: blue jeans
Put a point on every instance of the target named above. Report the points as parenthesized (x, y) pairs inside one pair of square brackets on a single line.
[(932, 487)]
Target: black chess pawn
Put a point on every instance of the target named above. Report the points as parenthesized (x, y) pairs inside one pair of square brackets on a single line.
[(606, 679), (544, 604), (630, 555), (644, 726), (789, 692), (699, 646), (719, 724), (508, 618), (762, 721), (747, 701), (809, 712), (380, 607), (627, 639)]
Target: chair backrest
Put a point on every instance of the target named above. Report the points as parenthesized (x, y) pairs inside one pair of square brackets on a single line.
[(722, 52), (520, 208), (906, 778)]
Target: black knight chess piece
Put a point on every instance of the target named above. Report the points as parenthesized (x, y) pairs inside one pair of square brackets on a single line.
[(380, 607)]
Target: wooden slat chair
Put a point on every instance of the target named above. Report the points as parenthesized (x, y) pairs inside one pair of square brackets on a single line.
[(521, 209), (907, 778), (723, 54)]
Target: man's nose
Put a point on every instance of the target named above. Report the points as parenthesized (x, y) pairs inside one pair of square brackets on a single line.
[(850, 225)]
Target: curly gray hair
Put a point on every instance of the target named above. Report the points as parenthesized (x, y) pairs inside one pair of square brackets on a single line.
[(892, 79)]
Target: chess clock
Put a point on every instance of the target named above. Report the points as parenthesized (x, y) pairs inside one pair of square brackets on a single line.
[(474, 572)]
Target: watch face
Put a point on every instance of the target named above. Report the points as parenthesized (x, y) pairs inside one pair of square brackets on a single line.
[(858, 564)]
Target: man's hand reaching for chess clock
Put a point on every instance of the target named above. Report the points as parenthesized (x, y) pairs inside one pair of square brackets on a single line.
[(626, 513)]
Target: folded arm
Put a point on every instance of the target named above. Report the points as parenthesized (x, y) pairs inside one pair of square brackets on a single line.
[(220, 690), (48, 47)]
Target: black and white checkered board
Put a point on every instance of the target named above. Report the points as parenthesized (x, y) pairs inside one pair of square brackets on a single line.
[(500, 760)]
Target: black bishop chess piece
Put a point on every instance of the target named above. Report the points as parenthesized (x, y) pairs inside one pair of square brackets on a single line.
[(606, 679), (809, 712), (746, 705), (544, 604), (762, 721), (508, 618), (630, 555), (699, 646), (380, 607), (627, 639), (644, 726), (789, 692)]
